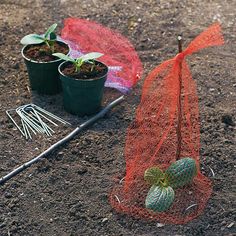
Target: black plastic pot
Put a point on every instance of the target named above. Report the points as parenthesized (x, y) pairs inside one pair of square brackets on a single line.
[(82, 97), (43, 76)]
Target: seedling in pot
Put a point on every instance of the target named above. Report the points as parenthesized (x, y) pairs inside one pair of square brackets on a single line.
[(83, 82), (78, 62), (42, 67), (48, 38)]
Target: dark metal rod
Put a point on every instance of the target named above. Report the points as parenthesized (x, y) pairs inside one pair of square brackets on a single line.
[(62, 141), (179, 106)]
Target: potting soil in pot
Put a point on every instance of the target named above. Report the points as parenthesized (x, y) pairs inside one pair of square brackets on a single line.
[(42, 53), (86, 71)]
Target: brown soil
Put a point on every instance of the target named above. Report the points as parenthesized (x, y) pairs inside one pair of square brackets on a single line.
[(67, 194), (42, 53), (87, 71)]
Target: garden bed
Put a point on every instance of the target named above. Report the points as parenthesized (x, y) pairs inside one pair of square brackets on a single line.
[(67, 194)]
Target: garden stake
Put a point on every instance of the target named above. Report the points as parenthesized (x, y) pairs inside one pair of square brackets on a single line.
[(179, 106), (76, 131)]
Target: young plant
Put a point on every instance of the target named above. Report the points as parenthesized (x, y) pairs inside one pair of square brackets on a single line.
[(78, 62), (48, 38), (161, 194)]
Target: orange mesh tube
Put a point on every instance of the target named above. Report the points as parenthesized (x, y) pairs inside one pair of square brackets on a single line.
[(152, 138)]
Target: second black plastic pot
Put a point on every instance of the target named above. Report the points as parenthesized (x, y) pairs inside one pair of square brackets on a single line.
[(43, 76), (82, 97)]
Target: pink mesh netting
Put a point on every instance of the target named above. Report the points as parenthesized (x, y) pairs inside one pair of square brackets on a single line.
[(169, 105), (124, 64)]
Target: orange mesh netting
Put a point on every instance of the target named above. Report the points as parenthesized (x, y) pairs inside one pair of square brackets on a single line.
[(153, 139)]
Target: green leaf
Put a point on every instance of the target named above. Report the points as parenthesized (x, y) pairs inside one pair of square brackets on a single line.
[(153, 175), (91, 56), (32, 39), (64, 57), (181, 172), (159, 199), (53, 36), (50, 30)]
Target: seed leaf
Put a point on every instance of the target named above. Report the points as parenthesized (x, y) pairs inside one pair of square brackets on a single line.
[(32, 39), (91, 56), (50, 30), (63, 57), (153, 175)]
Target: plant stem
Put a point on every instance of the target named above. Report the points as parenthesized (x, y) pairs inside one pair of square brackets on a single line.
[(47, 43), (77, 68), (52, 46), (179, 105), (93, 65)]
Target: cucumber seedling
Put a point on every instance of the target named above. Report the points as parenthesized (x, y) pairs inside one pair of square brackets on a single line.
[(78, 62), (48, 38)]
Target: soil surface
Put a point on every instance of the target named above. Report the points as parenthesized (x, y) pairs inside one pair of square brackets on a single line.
[(67, 194), (43, 53), (87, 71)]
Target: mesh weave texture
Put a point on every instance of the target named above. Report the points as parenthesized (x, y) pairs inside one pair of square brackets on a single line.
[(152, 138), (119, 54)]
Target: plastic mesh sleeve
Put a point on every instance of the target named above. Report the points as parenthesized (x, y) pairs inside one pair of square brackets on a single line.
[(152, 138)]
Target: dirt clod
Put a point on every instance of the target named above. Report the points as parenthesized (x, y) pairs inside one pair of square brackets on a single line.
[(228, 120)]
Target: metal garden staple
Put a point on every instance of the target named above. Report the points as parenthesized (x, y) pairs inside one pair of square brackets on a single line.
[(33, 120)]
